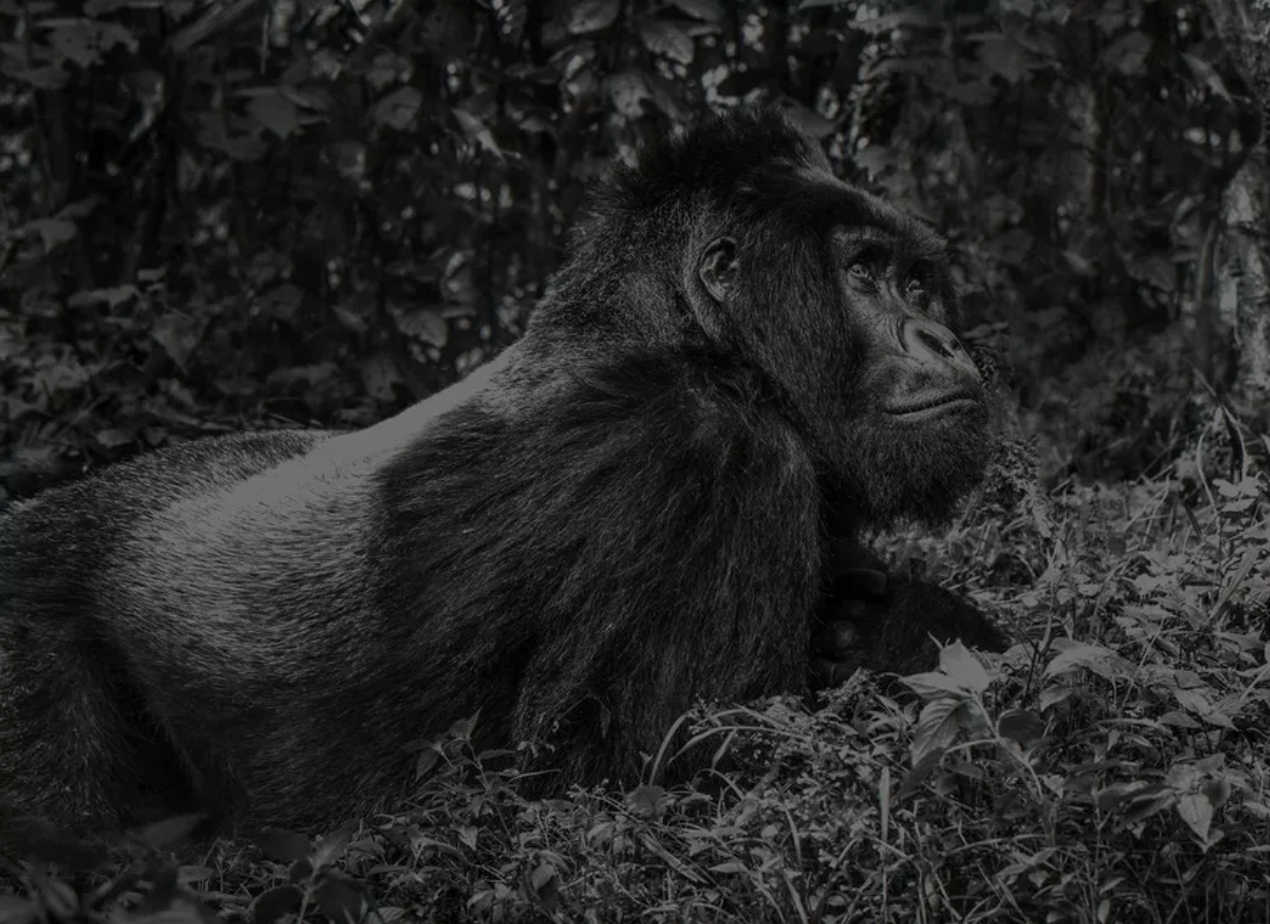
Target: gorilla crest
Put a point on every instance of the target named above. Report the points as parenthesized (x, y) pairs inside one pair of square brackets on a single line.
[(634, 507)]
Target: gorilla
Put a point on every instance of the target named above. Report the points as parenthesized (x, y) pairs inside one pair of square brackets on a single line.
[(741, 363)]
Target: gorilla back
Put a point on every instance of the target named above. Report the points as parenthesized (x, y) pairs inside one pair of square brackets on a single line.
[(625, 512)]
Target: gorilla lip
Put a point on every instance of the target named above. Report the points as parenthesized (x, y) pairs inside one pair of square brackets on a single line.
[(943, 404)]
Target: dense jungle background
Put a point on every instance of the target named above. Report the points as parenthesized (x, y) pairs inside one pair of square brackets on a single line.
[(228, 214)]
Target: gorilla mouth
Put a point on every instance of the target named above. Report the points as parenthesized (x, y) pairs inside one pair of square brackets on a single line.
[(934, 406)]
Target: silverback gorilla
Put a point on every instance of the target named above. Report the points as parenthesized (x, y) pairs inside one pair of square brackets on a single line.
[(630, 509)]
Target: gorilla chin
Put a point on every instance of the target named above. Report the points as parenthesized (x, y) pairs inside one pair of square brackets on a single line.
[(927, 471)]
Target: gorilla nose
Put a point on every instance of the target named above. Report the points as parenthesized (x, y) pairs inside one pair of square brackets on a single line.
[(932, 344)]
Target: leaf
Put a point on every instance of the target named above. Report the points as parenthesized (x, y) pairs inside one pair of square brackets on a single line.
[(399, 109), (271, 905), (1012, 247), (331, 847), (282, 302), (593, 15), (937, 728), (474, 128), (178, 335), (667, 39), (810, 122), (113, 438), (646, 800), (911, 17), (1080, 655), (1128, 54), (42, 78), (705, 10), (111, 297), (1004, 57), (425, 324), (339, 901), (426, 761), (921, 772), (956, 661), (276, 112), (1021, 725), (1196, 810), (933, 685), (283, 845), (628, 90), (379, 374), (1205, 74), (84, 41), (52, 231)]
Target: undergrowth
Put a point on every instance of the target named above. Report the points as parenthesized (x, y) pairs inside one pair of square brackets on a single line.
[(1112, 766)]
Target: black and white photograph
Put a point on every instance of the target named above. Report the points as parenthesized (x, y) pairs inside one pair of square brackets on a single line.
[(791, 461)]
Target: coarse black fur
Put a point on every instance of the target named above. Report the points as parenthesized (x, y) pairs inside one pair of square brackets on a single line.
[(627, 511)]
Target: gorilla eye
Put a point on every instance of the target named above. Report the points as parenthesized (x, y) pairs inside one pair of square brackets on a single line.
[(860, 271), (916, 287)]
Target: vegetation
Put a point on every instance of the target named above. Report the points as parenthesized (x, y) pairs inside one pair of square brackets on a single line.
[(225, 214)]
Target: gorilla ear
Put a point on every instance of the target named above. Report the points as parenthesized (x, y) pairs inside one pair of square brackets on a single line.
[(718, 268)]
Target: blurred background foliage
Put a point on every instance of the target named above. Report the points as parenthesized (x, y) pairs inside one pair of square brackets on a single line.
[(232, 213)]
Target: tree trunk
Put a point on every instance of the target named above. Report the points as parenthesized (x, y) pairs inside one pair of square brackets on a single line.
[(1239, 311)]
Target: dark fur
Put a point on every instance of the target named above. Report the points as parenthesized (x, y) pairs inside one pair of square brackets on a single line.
[(626, 512)]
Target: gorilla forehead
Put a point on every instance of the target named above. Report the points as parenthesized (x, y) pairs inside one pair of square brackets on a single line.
[(752, 164)]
